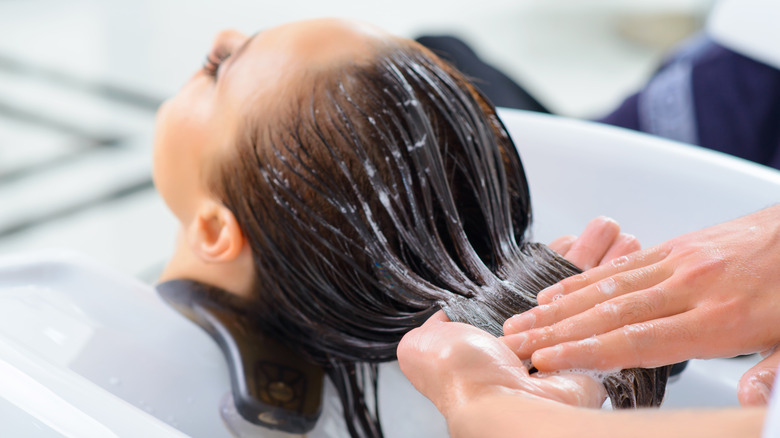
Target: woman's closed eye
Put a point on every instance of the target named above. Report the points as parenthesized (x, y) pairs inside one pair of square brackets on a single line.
[(214, 59)]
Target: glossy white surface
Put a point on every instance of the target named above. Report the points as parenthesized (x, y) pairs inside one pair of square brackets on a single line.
[(86, 351), (657, 189)]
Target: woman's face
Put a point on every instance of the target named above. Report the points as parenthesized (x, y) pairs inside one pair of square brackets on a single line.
[(243, 77)]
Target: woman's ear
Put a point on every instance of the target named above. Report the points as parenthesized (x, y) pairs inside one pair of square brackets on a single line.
[(214, 234)]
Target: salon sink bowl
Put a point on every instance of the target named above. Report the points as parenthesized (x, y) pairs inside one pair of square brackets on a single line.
[(86, 351), (89, 352)]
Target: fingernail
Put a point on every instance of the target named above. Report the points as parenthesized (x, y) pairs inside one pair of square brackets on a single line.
[(520, 323), (546, 358), (761, 389), (516, 342), (608, 220), (545, 296)]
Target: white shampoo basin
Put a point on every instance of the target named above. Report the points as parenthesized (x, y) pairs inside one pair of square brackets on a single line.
[(88, 352)]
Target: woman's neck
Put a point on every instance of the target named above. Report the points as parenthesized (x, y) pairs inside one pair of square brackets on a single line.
[(235, 276)]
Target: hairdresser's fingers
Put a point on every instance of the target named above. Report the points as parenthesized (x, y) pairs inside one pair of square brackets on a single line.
[(577, 302), (563, 244), (630, 262), (644, 345), (647, 305), (756, 384), (594, 242), (624, 244)]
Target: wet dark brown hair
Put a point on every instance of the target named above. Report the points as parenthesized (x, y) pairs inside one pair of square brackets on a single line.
[(383, 192)]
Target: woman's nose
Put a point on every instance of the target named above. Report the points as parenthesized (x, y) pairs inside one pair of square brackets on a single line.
[(229, 40)]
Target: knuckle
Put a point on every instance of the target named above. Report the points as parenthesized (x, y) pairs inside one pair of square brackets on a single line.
[(624, 282), (574, 282), (686, 333), (630, 241), (712, 265), (682, 333), (639, 335), (663, 250), (571, 284), (574, 328), (635, 332), (588, 345), (619, 261), (554, 312), (633, 308), (540, 337), (633, 280), (636, 276), (608, 286), (543, 312), (633, 311), (657, 299), (606, 311), (707, 270), (546, 333)]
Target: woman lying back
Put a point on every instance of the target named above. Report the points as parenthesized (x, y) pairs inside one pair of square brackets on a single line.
[(349, 184)]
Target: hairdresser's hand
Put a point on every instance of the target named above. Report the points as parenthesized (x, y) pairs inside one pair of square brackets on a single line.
[(452, 363), (600, 242), (711, 293)]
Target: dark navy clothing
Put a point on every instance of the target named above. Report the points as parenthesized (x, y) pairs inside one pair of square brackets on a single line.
[(705, 94), (711, 96)]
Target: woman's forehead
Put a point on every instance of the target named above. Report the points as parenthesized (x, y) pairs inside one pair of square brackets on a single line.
[(277, 64), (326, 38), (295, 48)]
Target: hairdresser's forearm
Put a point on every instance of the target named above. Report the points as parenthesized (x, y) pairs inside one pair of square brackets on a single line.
[(507, 415)]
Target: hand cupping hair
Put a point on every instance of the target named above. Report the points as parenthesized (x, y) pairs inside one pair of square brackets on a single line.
[(383, 192)]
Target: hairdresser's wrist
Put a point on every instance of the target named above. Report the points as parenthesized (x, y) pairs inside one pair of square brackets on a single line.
[(507, 413), (462, 391)]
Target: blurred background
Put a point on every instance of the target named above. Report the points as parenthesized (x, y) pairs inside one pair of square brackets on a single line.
[(80, 82)]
